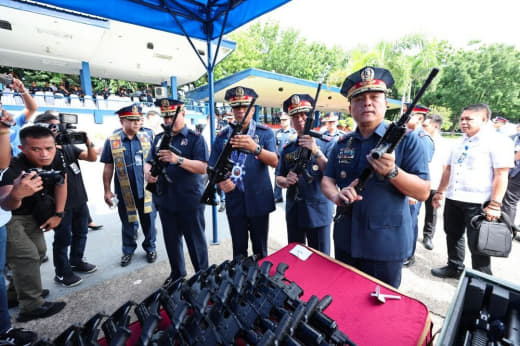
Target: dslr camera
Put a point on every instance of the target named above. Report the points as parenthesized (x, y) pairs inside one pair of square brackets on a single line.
[(66, 135), (49, 177), (6, 79)]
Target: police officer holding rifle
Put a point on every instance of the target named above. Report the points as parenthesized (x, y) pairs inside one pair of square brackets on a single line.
[(376, 234), (249, 193), (180, 185), (307, 211)]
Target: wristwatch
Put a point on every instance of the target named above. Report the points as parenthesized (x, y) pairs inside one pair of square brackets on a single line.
[(59, 214), (393, 173), (180, 160), (258, 150)]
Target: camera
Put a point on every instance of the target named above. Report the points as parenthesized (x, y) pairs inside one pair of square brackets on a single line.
[(49, 177), (6, 79), (64, 130)]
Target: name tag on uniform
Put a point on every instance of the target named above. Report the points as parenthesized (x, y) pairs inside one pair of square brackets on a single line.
[(139, 158), (75, 168)]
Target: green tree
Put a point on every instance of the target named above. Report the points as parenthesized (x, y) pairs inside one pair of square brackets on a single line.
[(481, 74), (267, 47)]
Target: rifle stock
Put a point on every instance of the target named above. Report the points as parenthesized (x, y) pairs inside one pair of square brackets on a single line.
[(393, 135), (223, 166)]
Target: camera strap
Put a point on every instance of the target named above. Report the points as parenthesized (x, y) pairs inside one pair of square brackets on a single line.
[(122, 174)]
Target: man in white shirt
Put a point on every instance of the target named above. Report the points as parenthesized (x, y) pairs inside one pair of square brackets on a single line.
[(476, 172), (432, 125)]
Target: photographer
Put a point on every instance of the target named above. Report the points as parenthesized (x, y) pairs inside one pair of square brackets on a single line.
[(25, 195), (16, 336), (73, 228)]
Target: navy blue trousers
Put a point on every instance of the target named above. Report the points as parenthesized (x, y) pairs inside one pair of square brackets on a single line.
[(256, 227), (128, 228), (318, 237), (191, 225), (72, 231)]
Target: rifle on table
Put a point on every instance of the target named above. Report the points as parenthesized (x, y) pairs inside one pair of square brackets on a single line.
[(224, 165), (158, 166), (393, 135), (303, 155)]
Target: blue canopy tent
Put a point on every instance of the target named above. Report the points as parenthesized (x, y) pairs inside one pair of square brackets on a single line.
[(202, 19)]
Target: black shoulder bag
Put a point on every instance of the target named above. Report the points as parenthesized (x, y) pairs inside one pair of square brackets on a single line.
[(494, 238)]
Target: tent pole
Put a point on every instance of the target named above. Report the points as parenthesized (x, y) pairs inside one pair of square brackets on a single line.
[(211, 86)]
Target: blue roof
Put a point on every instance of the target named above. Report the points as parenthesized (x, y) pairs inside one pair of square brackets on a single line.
[(202, 19), (273, 88)]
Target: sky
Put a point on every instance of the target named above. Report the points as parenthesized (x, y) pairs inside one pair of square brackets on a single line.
[(348, 23)]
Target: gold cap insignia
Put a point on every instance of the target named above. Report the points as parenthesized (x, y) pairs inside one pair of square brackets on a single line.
[(165, 103), (135, 110), (295, 99), (240, 91), (367, 74)]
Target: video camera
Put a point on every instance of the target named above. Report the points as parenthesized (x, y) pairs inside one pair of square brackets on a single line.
[(49, 177), (64, 130)]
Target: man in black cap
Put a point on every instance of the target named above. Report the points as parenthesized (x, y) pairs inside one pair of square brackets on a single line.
[(307, 211), (249, 193), (178, 194), (125, 151), (376, 234)]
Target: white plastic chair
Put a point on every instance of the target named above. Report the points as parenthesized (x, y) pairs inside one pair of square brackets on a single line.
[(8, 97), (59, 100), (88, 102), (39, 98), (75, 102), (49, 98)]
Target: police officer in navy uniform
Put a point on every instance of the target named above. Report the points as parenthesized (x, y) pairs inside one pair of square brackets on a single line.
[(308, 212), (376, 235), (178, 198), (283, 135), (125, 152), (415, 122), (331, 121), (249, 193)]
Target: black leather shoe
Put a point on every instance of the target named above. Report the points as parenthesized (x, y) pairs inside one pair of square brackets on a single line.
[(46, 310), (94, 227), (126, 259), (44, 259), (427, 242), (14, 303), (446, 272), (409, 261), (151, 256), (278, 200)]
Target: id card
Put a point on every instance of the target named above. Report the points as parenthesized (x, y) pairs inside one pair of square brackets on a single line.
[(75, 168)]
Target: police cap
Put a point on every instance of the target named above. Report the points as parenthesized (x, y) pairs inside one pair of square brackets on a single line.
[(365, 80)]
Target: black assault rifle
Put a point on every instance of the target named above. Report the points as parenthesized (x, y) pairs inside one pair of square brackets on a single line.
[(303, 155), (393, 135), (224, 165), (158, 166)]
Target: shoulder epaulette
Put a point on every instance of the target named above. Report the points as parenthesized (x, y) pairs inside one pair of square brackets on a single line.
[(262, 126)]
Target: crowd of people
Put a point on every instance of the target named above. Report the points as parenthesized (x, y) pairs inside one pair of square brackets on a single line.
[(142, 94), (160, 168)]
